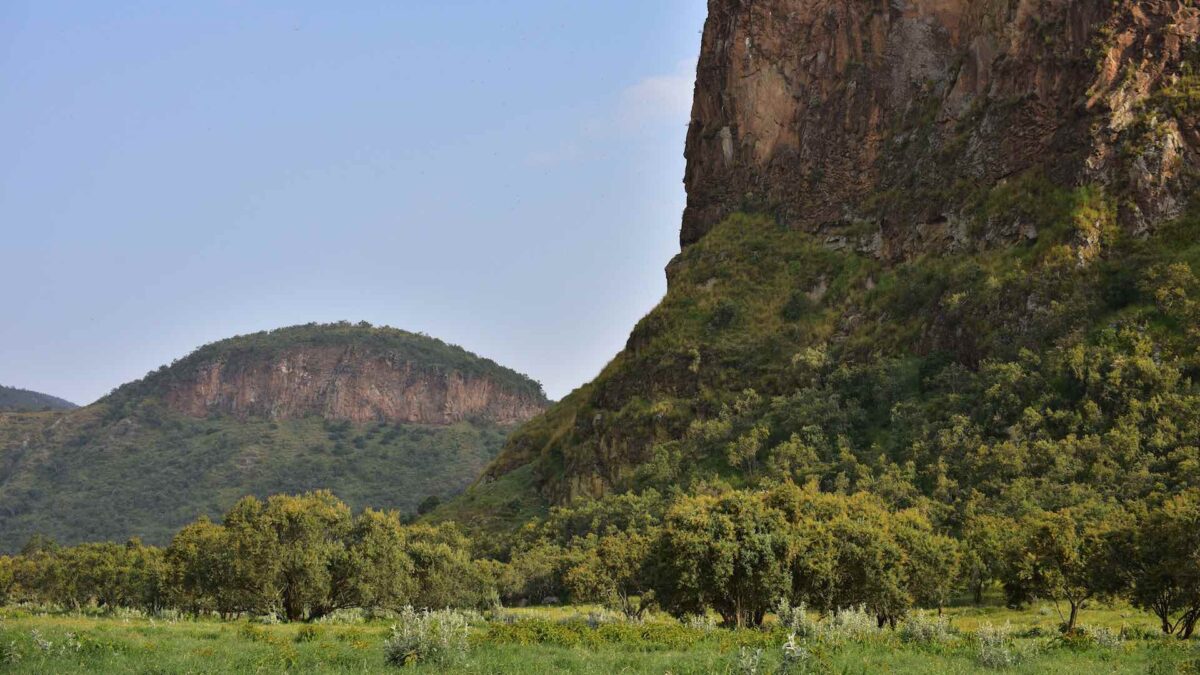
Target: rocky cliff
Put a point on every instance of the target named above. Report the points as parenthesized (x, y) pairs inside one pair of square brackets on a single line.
[(889, 204), (874, 122), (356, 374)]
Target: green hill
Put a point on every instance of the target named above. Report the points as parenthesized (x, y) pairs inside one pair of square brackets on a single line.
[(370, 413), (972, 291), (23, 400)]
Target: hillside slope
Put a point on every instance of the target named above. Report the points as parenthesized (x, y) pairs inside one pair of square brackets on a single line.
[(23, 400), (930, 250), (382, 417)]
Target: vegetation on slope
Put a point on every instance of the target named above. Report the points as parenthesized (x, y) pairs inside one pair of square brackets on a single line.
[(151, 471), (23, 400), (1000, 379)]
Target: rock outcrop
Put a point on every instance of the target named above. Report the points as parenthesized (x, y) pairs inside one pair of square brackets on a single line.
[(346, 383), (875, 120), (342, 372)]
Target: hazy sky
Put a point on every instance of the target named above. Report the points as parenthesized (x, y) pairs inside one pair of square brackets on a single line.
[(503, 175)]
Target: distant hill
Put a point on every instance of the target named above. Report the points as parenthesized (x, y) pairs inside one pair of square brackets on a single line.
[(383, 417), (23, 400)]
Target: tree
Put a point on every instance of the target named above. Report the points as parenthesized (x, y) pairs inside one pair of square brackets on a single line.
[(933, 560), (373, 569), (730, 551), (612, 569), (1160, 556), (199, 567), (1069, 555), (985, 551), (307, 534)]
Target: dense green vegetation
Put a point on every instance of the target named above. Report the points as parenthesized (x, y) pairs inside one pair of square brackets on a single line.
[(85, 478), (23, 400), (1040, 376), (737, 554)]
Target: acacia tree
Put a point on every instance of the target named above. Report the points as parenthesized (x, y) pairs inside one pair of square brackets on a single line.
[(933, 560), (985, 550), (612, 569), (372, 568), (199, 566), (730, 552), (1160, 556), (1070, 556)]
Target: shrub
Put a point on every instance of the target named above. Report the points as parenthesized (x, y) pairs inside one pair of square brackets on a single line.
[(438, 638), (700, 622), (796, 621), (796, 658), (308, 634), (995, 647), (850, 624), (749, 661), (1105, 637), (926, 630)]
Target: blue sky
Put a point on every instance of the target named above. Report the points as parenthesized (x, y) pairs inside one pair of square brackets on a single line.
[(504, 176)]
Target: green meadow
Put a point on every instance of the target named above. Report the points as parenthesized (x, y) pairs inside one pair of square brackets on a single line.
[(588, 639)]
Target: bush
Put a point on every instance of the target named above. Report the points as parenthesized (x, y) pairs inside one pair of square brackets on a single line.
[(850, 624), (926, 630), (796, 621), (438, 638), (749, 661), (995, 647), (308, 634), (1105, 637)]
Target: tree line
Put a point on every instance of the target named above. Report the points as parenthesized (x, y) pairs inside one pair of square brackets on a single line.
[(734, 552)]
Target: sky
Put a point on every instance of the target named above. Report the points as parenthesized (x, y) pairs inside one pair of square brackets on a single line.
[(504, 176)]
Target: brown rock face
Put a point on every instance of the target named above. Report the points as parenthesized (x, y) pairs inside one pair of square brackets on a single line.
[(837, 115), (345, 383)]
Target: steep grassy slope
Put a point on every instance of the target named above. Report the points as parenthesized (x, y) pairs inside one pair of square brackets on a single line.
[(23, 400), (138, 463), (1008, 376)]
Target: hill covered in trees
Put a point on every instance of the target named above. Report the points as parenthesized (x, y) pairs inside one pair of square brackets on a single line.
[(383, 417), (23, 400), (945, 256)]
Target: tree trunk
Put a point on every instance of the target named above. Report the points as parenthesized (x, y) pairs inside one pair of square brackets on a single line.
[(1187, 624), (1071, 619), (979, 593)]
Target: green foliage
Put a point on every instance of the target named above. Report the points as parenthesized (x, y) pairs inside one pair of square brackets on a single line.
[(300, 557), (1069, 556), (23, 400), (169, 469), (730, 552), (1159, 557), (432, 638)]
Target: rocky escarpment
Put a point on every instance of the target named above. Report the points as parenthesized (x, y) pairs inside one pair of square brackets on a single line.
[(874, 122), (346, 383), (348, 373)]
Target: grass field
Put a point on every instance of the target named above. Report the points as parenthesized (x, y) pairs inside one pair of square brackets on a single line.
[(554, 640)]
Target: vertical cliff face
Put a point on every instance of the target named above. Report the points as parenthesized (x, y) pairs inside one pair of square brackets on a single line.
[(344, 373), (874, 121), (346, 383)]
